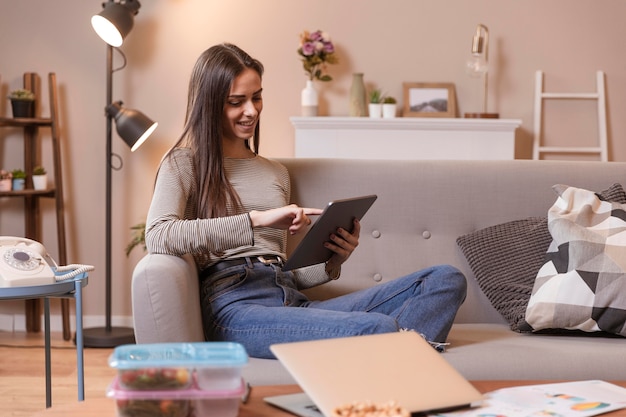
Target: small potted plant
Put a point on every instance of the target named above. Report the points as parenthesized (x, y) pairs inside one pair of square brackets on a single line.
[(40, 178), (389, 107), (19, 179), (22, 103), (5, 180), (138, 239), (376, 103)]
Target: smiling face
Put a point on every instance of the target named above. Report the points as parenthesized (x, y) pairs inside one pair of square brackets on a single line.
[(242, 109)]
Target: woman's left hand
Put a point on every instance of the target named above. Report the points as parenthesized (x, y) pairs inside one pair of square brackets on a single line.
[(343, 243)]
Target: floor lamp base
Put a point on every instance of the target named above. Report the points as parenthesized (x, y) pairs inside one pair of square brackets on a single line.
[(103, 337)]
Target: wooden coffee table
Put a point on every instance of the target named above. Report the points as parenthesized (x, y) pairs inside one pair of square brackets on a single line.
[(256, 407)]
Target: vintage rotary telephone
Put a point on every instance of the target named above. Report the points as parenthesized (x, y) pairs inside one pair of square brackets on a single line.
[(25, 262)]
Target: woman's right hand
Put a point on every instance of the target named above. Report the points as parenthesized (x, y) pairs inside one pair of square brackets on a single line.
[(291, 217)]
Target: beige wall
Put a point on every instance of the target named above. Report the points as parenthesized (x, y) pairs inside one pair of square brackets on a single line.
[(390, 41)]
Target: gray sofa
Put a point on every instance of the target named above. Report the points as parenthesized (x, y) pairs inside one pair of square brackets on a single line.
[(423, 207)]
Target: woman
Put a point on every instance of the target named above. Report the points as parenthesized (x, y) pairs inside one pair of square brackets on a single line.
[(217, 199)]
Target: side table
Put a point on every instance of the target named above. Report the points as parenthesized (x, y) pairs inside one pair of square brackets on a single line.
[(70, 288)]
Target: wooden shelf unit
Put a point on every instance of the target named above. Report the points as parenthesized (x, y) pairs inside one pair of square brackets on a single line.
[(32, 215)]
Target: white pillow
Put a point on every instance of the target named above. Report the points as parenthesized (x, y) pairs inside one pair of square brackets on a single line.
[(582, 284)]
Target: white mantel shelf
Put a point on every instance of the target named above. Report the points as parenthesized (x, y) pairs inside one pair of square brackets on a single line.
[(405, 138)]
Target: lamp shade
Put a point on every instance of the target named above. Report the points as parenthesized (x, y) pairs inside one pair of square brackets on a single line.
[(115, 21), (133, 126)]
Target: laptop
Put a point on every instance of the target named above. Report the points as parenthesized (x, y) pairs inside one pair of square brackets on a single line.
[(337, 213), (400, 367)]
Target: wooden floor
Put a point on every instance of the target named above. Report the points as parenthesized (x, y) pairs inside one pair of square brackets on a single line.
[(22, 370)]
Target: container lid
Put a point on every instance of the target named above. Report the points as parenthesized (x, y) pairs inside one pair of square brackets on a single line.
[(191, 393), (160, 355)]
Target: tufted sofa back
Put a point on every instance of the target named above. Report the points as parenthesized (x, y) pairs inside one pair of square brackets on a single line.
[(424, 206)]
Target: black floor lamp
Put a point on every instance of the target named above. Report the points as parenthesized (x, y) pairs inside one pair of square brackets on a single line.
[(112, 25)]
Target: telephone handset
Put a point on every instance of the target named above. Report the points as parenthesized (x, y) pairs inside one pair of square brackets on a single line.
[(24, 262)]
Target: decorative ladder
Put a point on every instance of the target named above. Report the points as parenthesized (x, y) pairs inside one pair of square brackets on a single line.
[(599, 96)]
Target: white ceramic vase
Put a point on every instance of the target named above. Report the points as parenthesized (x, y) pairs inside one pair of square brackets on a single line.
[(309, 100), (375, 110), (40, 182), (389, 110)]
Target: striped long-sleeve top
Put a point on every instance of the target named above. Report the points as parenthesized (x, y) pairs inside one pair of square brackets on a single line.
[(173, 228)]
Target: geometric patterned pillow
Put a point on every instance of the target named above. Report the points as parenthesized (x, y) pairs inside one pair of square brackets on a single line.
[(582, 285)]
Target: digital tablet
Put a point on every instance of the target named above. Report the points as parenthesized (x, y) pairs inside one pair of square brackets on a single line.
[(338, 213)]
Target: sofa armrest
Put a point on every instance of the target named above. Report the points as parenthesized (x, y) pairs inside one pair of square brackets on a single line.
[(166, 300)]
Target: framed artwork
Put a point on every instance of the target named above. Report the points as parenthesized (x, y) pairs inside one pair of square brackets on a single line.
[(429, 100)]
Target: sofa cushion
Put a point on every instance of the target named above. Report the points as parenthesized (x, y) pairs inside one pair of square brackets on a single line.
[(506, 257), (582, 284), (488, 351)]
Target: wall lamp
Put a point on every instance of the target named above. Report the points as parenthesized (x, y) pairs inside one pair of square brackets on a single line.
[(113, 25), (478, 66)]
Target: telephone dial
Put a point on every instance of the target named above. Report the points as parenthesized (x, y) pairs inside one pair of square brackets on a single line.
[(25, 262)]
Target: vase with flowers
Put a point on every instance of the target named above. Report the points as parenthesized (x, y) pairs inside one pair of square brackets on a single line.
[(316, 51)]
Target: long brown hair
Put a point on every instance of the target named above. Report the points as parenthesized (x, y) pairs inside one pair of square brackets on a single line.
[(211, 79)]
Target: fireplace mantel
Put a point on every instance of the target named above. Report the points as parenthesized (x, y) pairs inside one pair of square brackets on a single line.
[(404, 138)]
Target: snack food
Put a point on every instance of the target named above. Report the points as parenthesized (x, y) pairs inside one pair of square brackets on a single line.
[(155, 378), (368, 409), (152, 408)]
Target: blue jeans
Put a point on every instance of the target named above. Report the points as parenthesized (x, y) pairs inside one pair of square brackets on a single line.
[(258, 305)]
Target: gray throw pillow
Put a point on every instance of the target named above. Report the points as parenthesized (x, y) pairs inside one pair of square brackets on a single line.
[(505, 259)]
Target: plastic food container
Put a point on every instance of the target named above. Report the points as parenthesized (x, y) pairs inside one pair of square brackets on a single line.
[(191, 401), (171, 366)]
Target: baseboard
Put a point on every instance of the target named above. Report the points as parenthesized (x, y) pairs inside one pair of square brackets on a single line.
[(6, 322), (17, 322)]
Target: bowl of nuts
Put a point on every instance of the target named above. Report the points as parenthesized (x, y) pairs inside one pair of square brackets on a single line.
[(369, 409)]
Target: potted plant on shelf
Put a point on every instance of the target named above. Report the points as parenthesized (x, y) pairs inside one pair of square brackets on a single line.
[(19, 179), (389, 107), (5, 180), (376, 103), (22, 103), (40, 178)]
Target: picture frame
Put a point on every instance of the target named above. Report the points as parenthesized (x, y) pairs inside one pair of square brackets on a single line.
[(429, 100)]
